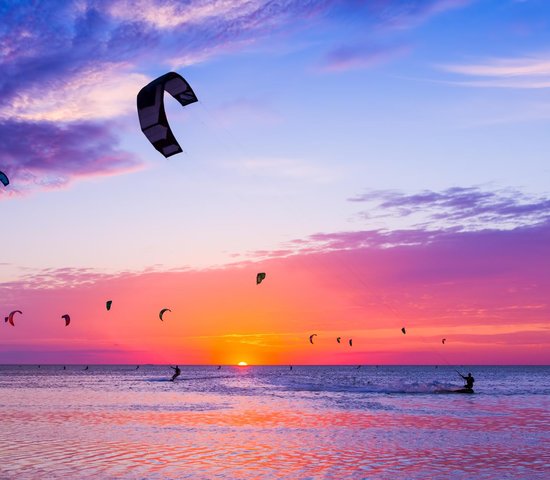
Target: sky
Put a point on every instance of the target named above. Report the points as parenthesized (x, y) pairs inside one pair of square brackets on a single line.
[(384, 162)]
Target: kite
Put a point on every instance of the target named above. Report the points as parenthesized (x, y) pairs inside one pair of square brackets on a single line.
[(260, 277), (67, 319), (351, 342), (311, 338), (10, 317), (151, 113), (162, 312), (404, 331), (4, 179), (338, 339), (443, 341), (108, 304)]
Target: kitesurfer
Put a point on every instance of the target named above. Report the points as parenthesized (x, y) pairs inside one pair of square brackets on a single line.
[(177, 372), (469, 381)]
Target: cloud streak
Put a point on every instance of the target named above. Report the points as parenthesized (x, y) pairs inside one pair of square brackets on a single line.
[(521, 72), (462, 208)]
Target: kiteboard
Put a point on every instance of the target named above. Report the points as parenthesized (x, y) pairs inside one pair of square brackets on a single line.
[(459, 390)]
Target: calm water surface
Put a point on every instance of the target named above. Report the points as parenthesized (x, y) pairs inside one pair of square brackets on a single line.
[(271, 422)]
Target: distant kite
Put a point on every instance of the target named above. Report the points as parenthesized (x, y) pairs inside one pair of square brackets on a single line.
[(338, 339), (108, 304), (10, 317), (67, 319), (162, 312), (151, 113), (311, 338), (260, 277), (443, 341), (351, 342), (4, 179), (404, 331)]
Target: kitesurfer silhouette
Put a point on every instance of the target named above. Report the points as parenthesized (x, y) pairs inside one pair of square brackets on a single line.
[(469, 381), (176, 373)]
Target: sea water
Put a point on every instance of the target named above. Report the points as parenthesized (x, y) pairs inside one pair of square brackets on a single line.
[(273, 422)]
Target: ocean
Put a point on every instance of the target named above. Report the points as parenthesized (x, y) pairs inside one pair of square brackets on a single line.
[(386, 422)]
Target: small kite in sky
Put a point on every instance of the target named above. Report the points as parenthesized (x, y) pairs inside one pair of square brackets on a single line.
[(260, 277), (162, 312), (311, 338), (67, 319), (10, 317)]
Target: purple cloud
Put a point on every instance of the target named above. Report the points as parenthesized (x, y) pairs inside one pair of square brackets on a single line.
[(52, 155), (459, 207)]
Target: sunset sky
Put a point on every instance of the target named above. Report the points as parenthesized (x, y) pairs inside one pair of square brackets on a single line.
[(386, 163)]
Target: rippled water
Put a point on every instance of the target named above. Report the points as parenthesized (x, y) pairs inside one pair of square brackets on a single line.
[(271, 422)]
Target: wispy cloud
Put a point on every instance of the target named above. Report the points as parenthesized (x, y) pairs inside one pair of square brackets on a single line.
[(94, 93), (462, 208), (169, 14), (520, 72), (357, 56), (286, 168)]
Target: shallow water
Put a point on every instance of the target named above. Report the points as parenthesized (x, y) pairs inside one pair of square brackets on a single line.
[(271, 422)]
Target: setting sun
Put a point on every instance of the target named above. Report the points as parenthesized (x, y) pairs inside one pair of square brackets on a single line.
[(242, 364)]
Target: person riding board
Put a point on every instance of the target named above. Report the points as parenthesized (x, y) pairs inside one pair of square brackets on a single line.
[(469, 381), (176, 373)]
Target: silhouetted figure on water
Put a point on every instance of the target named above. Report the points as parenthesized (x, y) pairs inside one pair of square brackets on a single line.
[(469, 381), (87, 367), (177, 372)]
